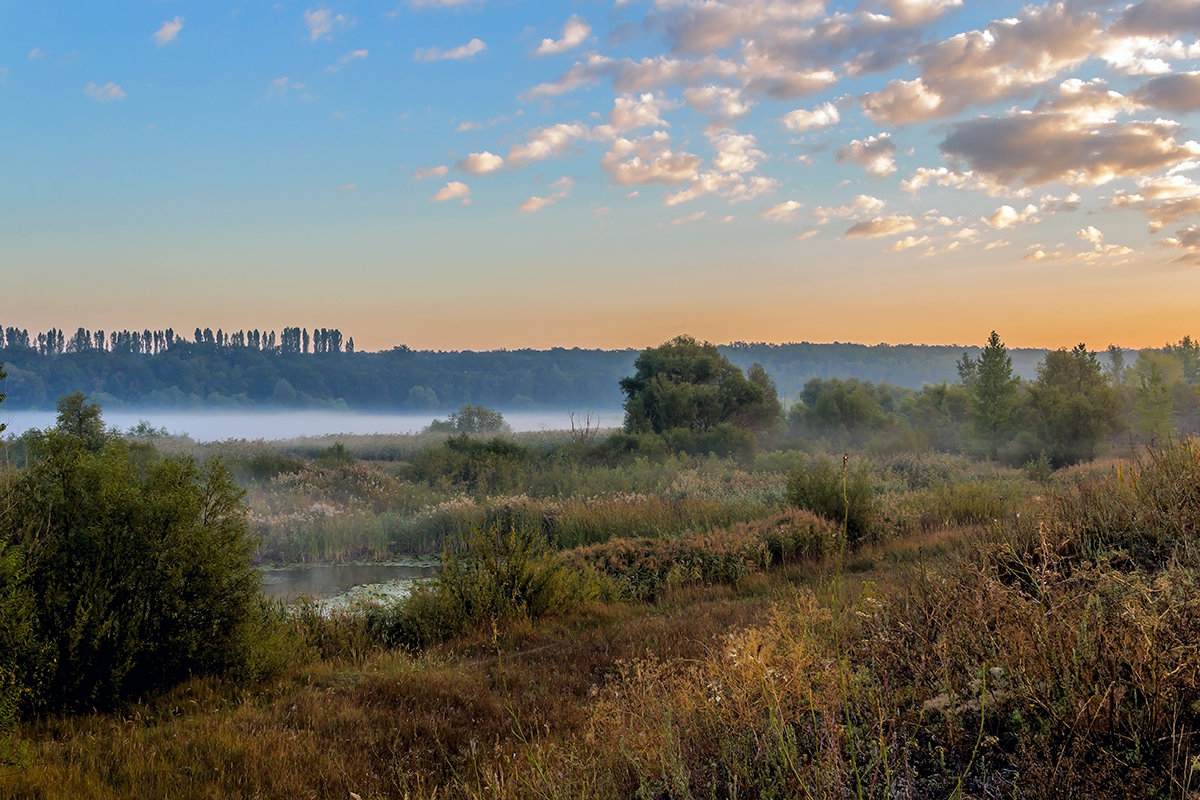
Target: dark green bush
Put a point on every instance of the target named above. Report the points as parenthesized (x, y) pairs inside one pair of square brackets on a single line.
[(134, 572), (264, 466), (481, 466), (493, 574), (843, 495), (17, 645)]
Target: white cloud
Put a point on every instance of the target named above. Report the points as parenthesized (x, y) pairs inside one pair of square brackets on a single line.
[(864, 204), (882, 226), (104, 94), (354, 55), (629, 76), (648, 160), (977, 67), (1188, 240), (941, 176), (168, 31), (908, 243), (1039, 148), (574, 33), (535, 204), (695, 216), (1146, 55), (631, 112), (916, 12), (1111, 253), (1090, 234), (1006, 216), (805, 120), (280, 87), (902, 102), (453, 190), (875, 154), (322, 22), (471, 48), (724, 103), (544, 143), (431, 172), (36, 54), (784, 211), (735, 152), (480, 163)]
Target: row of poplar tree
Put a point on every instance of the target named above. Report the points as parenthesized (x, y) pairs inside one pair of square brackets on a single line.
[(147, 342)]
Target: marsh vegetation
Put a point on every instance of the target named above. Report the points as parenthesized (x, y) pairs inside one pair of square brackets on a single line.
[(958, 592)]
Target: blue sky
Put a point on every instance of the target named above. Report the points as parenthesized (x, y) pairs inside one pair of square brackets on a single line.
[(496, 173)]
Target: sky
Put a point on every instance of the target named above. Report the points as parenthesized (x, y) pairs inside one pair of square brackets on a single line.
[(479, 174)]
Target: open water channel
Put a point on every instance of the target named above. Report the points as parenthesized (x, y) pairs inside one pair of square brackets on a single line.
[(327, 582)]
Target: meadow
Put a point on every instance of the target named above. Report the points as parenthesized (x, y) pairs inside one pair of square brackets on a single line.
[(671, 626)]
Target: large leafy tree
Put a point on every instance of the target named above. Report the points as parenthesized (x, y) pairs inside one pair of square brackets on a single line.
[(688, 384), (1072, 404), (1153, 376), (1188, 353)]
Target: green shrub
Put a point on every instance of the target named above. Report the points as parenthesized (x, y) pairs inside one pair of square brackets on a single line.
[(479, 466), (494, 574), (138, 569), (639, 568), (845, 496), (965, 502), (17, 645), (264, 466)]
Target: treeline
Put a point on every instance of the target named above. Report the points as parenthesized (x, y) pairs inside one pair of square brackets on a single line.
[(293, 368), (1077, 401), (191, 375), (791, 366), (55, 342)]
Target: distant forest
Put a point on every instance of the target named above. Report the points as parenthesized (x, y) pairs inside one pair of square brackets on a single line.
[(319, 368)]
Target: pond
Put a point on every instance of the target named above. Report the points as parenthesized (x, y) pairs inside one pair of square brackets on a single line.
[(328, 581)]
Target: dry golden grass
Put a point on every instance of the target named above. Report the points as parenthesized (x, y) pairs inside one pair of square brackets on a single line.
[(1055, 653)]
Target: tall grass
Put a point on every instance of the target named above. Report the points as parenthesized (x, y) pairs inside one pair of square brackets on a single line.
[(1057, 656), (1052, 649)]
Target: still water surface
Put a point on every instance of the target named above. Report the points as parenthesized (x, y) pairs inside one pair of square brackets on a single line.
[(326, 581), (210, 426)]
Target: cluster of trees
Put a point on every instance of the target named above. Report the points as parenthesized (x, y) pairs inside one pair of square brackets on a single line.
[(696, 399), (471, 419), (1073, 406), (55, 342), (1077, 401), (907, 365), (689, 384)]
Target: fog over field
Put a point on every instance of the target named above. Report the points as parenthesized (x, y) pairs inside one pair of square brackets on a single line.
[(210, 426)]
